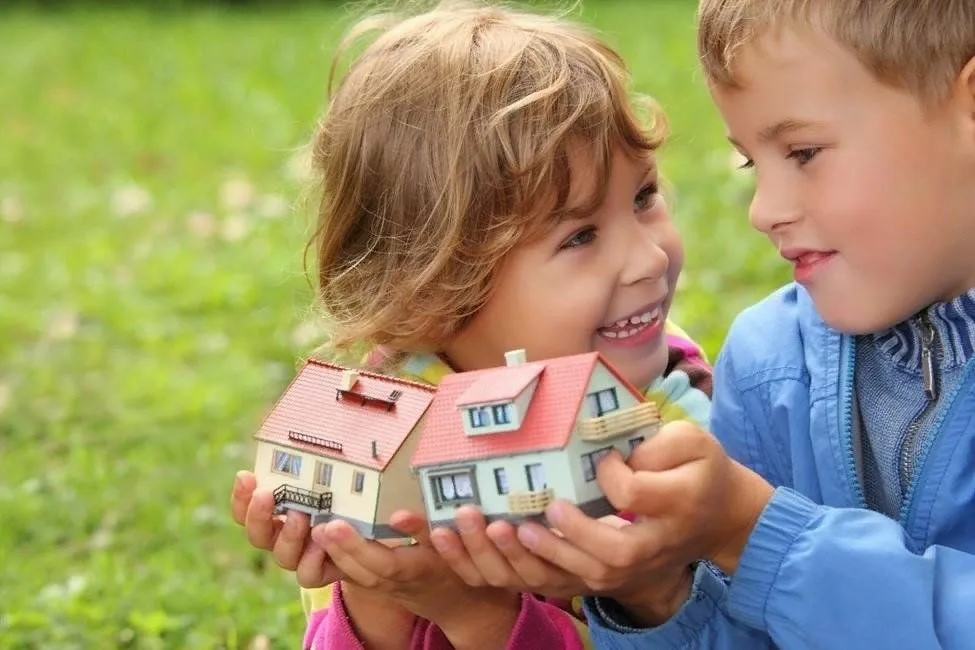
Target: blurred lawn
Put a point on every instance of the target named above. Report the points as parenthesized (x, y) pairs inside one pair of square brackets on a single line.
[(152, 302)]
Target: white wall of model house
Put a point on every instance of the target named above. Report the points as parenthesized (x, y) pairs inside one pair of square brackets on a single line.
[(568, 471)]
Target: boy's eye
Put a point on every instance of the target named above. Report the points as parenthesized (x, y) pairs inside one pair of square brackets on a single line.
[(585, 236), (805, 155), (645, 198), (748, 164)]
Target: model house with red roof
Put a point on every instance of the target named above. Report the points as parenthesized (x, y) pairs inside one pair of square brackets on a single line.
[(512, 439), (338, 443)]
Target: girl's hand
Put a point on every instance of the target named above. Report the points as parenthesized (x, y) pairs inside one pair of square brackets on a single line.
[(494, 555), (286, 536), (417, 579)]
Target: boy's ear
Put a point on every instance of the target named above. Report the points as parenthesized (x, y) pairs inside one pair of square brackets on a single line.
[(965, 85)]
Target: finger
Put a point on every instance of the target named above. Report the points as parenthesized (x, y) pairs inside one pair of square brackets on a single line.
[(259, 521), (452, 550), (645, 492), (536, 574), (618, 544), (490, 563), (559, 552), (411, 524), (292, 540), (675, 444), (344, 546), (240, 496), (315, 569)]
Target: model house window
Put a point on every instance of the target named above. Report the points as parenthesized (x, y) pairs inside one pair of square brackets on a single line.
[(323, 474), (536, 477), (602, 401), (501, 413), (286, 463), (358, 482), (454, 489), (480, 416), (590, 461), (501, 480), (635, 442)]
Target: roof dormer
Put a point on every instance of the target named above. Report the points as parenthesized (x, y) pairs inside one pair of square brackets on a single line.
[(499, 399)]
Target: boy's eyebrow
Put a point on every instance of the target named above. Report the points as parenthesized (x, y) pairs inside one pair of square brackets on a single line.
[(777, 130)]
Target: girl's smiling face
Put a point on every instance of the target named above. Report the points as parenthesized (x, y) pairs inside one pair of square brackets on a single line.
[(601, 283)]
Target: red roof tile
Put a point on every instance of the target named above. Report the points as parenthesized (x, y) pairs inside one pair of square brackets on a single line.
[(547, 424), (504, 383), (346, 426)]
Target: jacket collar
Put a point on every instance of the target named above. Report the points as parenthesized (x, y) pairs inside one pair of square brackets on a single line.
[(953, 326)]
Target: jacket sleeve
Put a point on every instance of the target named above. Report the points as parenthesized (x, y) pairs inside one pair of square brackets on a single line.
[(704, 620), (539, 625)]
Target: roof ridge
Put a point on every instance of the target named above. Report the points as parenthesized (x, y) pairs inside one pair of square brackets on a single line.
[(371, 374)]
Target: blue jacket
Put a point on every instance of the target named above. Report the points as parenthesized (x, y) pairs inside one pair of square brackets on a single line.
[(820, 570)]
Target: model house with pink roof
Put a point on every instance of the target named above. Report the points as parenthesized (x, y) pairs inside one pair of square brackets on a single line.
[(511, 439), (337, 445)]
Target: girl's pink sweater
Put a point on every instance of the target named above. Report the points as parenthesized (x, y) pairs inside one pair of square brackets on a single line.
[(540, 624)]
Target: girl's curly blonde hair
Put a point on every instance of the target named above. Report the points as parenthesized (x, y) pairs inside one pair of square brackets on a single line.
[(445, 145)]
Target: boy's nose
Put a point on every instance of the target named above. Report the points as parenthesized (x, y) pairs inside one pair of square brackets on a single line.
[(770, 209)]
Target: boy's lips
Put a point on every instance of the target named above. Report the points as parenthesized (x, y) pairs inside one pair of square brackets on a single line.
[(806, 261)]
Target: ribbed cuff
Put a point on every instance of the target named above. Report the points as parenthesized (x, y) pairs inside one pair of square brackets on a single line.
[(784, 518), (680, 630)]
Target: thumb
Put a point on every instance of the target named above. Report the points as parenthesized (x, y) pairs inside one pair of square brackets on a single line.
[(676, 443)]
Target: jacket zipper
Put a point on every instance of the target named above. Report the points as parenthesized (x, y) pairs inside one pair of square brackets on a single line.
[(930, 362)]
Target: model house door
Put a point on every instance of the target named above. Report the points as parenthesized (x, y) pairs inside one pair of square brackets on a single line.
[(536, 477)]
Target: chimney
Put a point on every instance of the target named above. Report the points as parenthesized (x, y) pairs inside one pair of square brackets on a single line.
[(375, 452), (349, 378), (515, 357)]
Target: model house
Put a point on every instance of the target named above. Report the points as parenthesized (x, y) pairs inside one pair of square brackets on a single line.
[(337, 444), (511, 439)]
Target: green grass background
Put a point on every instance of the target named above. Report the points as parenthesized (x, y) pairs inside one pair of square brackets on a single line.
[(153, 303)]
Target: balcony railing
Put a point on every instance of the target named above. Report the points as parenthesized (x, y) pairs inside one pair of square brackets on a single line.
[(530, 503), (615, 423), (286, 496)]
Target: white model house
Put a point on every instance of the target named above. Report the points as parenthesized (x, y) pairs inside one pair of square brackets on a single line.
[(513, 438)]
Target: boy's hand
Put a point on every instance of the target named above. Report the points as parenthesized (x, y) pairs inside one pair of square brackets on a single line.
[(416, 578), (287, 537), (493, 555), (694, 501)]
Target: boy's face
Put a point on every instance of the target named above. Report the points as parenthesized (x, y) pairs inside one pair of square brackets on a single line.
[(870, 196), (602, 283)]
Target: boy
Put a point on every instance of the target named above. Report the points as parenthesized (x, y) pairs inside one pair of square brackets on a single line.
[(849, 392)]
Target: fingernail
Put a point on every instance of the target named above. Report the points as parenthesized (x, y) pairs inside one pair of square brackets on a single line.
[(527, 536), (554, 514)]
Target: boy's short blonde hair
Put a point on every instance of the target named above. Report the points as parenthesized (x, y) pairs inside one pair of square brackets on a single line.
[(445, 145), (919, 45)]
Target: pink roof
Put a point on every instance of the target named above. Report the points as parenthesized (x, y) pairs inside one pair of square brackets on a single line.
[(345, 428), (548, 422), (501, 384)]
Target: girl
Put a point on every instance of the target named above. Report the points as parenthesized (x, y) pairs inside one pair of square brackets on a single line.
[(485, 185)]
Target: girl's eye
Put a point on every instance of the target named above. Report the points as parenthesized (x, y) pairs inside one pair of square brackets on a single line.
[(585, 236), (804, 156), (646, 197)]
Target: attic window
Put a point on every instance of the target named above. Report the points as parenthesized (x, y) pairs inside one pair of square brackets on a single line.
[(315, 440), (388, 401)]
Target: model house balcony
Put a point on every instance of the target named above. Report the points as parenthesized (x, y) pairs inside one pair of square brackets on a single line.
[(287, 497), (530, 503), (618, 422)]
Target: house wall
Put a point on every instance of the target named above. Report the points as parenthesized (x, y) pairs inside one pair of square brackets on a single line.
[(398, 486), (518, 409), (585, 491), (345, 503), (554, 464)]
